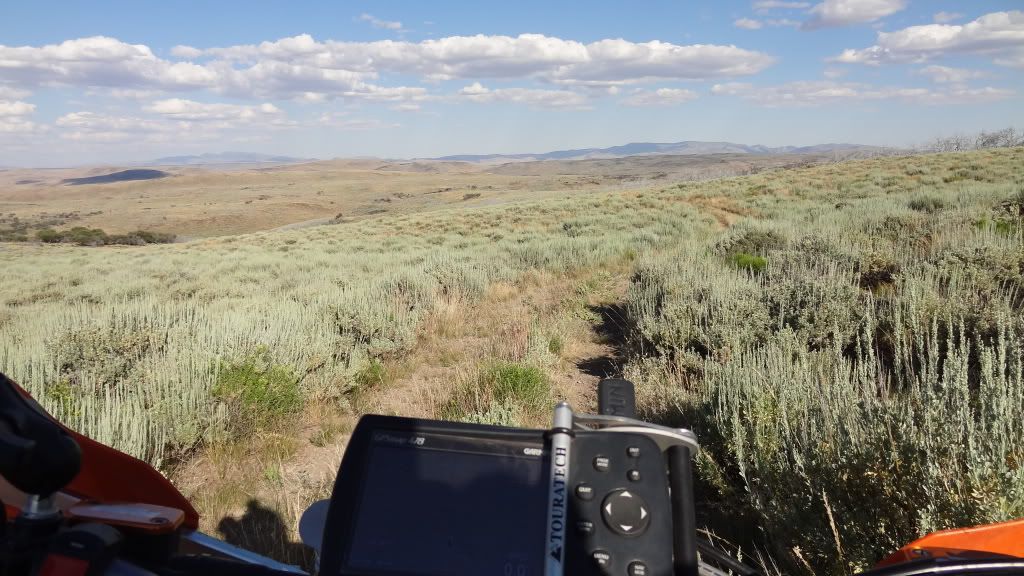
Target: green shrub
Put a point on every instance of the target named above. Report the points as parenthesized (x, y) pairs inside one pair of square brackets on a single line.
[(572, 229), (83, 236), (496, 414), (64, 395), (141, 237), (876, 271), (555, 345), (86, 236), (749, 239), (257, 392), (745, 261), (372, 375), (508, 393), (1002, 226), (518, 384), (928, 204), (49, 235), (105, 357)]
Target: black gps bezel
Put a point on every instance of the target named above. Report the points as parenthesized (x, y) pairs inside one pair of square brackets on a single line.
[(350, 482)]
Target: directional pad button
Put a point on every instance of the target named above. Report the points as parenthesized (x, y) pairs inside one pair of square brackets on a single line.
[(625, 512)]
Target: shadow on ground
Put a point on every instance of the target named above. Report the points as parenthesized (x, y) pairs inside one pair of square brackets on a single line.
[(263, 531), (612, 329)]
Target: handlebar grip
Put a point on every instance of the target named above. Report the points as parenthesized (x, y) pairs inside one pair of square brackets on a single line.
[(37, 456), (684, 522)]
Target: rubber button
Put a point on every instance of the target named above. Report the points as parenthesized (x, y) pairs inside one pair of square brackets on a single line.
[(601, 463), (637, 569), (633, 475), (601, 558), (633, 452), (585, 527), (585, 492)]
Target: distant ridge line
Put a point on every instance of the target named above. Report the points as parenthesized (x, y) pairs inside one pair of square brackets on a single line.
[(211, 158), (688, 147)]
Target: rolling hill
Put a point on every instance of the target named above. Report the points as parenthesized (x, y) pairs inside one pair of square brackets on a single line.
[(671, 148)]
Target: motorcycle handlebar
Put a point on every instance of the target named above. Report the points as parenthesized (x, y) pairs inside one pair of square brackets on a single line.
[(37, 456)]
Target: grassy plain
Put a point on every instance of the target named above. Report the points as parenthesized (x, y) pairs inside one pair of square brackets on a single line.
[(845, 338), (198, 202)]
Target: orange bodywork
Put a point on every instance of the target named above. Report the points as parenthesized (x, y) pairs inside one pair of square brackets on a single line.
[(1005, 538), (108, 476)]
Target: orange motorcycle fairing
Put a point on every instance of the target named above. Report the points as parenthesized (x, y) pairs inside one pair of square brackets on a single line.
[(1004, 538), (109, 476)]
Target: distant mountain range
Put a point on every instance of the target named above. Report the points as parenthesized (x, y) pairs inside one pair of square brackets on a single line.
[(689, 147), (223, 158)]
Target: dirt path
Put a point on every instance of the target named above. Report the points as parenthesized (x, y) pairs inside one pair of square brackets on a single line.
[(722, 209), (569, 326), (583, 312)]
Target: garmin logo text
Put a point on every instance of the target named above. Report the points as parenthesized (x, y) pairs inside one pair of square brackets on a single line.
[(556, 529), (396, 440)]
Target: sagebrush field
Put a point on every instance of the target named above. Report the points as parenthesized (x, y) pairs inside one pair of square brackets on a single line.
[(846, 340)]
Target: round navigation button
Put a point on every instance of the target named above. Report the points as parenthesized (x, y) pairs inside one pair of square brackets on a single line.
[(625, 512)]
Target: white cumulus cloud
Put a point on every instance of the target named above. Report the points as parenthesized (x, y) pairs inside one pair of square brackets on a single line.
[(306, 69), (15, 108), (751, 24), (186, 52), (96, 127), (378, 23), (824, 92), (847, 12), (190, 110), (12, 93), (949, 75), (660, 97), (98, 61), (482, 57), (999, 35), (14, 117), (389, 93), (536, 98), (763, 5), (175, 119)]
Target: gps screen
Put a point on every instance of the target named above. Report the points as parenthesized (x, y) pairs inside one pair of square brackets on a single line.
[(439, 505)]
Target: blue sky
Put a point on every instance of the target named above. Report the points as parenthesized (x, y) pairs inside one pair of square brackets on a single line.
[(121, 81)]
